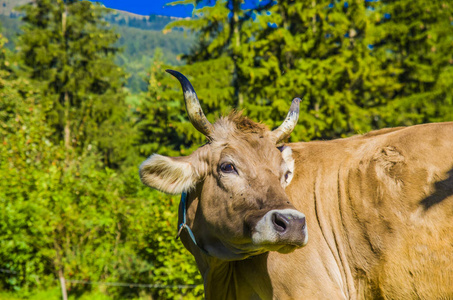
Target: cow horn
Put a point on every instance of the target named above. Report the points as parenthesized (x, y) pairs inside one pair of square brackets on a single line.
[(284, 130), (193, 107)]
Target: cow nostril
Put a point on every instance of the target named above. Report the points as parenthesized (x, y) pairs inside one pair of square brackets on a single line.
[(280, 223), (304, 223)]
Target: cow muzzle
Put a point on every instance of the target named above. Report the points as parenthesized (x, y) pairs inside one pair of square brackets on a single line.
[(285, 227)]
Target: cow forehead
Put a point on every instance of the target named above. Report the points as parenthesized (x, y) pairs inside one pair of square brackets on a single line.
[(235, 124), (239, 131), (246, 148)]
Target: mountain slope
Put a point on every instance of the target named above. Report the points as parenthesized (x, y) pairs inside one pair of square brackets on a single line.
[(151, 22), (7, 6), (140, 36), (119, 17)]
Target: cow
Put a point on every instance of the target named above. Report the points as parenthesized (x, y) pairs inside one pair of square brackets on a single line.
[(363, 217)]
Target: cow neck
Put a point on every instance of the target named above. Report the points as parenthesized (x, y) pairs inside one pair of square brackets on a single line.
[(183, 225)]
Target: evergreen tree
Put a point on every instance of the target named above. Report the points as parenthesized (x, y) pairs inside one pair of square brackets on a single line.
[(285, 49), (162, 120), (355, 62), (416, 37), (220, 34), (64, 215), (319, 51), (67, 45)]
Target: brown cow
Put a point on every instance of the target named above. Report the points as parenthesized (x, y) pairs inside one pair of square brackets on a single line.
[(379, 209)]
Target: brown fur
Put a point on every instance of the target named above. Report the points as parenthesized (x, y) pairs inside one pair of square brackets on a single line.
[(382, 205), (245, 125), (379, 210)]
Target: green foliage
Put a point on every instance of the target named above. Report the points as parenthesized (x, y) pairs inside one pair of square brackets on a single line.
[(318, 51), (45, 194), (50, 294), (10, 30), (63, 211), (354, 62), (139, 37), (416, 38), (24, 141), (162, 121), (171, 263), (139, 47), (68, 46), (59, 211), (71, 202)]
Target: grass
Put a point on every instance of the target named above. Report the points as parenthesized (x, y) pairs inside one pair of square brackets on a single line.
[(51, 294)]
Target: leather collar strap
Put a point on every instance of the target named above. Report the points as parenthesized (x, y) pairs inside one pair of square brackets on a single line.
[(183, 225)]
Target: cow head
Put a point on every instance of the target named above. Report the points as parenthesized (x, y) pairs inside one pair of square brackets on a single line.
[(236, 184)]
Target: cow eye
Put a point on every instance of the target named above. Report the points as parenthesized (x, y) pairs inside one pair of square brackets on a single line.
[(227, 168), (287, 175)]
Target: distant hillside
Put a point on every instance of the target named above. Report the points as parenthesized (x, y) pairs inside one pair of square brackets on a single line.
[(140, 36), (138, 50), (152, 22), (118, 17), (7, 6), (10, 29)]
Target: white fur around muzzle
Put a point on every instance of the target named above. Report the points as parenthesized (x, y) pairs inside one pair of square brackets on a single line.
[(265, 232)]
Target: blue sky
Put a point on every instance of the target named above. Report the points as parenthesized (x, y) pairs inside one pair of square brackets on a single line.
[(158, 7), (147, 7)]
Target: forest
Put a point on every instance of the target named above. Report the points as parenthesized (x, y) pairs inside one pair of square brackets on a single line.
[(139, 37), (73, 134)]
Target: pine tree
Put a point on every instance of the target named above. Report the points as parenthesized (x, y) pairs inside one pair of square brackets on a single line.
[(67, 45), (285, 49), (416, 37), (318, 50), (220, 34), (356, 63), (157, 112), (162, 120)]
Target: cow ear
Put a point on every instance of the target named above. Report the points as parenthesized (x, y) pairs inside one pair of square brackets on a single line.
[(174, 175), (287, 154)]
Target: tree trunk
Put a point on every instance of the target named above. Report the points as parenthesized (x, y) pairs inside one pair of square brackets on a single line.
[(313, 4), (236, 41), (64, 292), (58, 263), (67, 125), (67, 128)]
